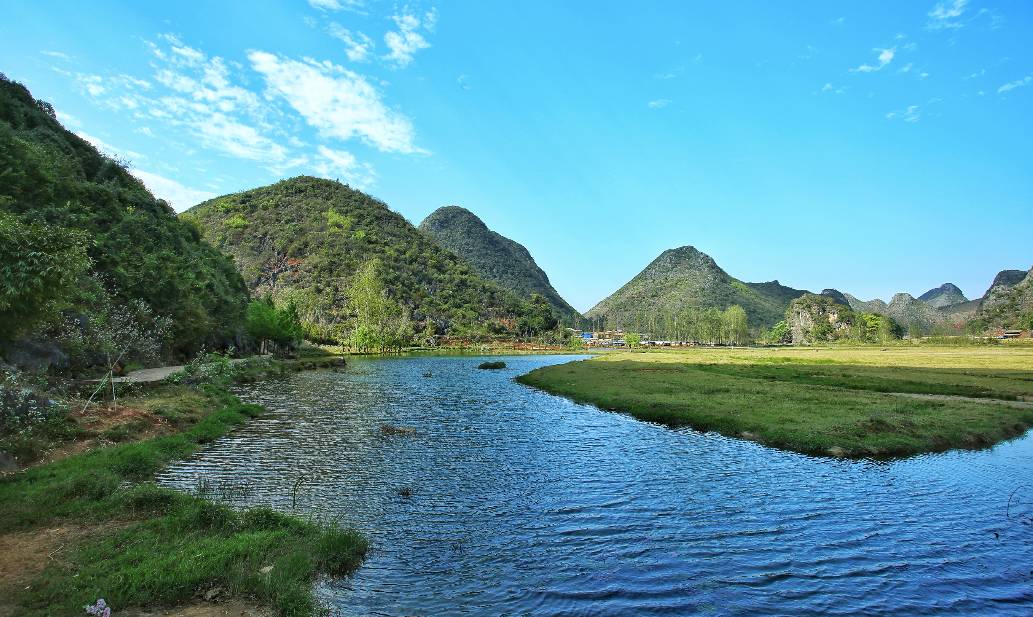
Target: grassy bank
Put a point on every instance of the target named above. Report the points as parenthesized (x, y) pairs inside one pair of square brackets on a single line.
[(856, 402), (147, 546)]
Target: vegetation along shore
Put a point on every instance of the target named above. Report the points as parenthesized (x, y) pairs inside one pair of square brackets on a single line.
[(851, 402)]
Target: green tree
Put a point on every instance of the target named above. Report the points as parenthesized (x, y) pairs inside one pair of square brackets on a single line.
[(39, 268), (538, 316), (265, 322), (733, 325), (633, 339), (380, 322)]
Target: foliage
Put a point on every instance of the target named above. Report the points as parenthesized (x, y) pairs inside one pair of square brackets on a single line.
[(380, 323), (308, 238), (538, 316), (52, 177), (39, 267), (111, 332), (266, 322), (873, 328), (30, 416), (632, 339), (495, 257), (780, 334), (835, 402)]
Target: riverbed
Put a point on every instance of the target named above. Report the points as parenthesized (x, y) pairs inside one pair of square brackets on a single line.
[(481, 496)]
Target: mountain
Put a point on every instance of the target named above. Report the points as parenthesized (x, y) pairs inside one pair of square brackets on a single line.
[(52, 180), (943, 296), (304, 238), (876, 306), (913, 314), (836, 296), (685, 278), (1008, 304), (494, 256), (1006, 278)]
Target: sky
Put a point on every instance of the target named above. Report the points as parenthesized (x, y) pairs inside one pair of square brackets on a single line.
[(873, 147)]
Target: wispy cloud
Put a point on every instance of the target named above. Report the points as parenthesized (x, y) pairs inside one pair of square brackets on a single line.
[(60, 55), (179, 197), (946, 15), (659, 103), (357, 46), (338, 102), (913, 113), (885, 56), (337, 5), (408, 39), (1018, 83), (463, 81), (830, 88), (338, 164)]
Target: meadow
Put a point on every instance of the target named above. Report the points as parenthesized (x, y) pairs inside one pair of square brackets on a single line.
[(858, 402)]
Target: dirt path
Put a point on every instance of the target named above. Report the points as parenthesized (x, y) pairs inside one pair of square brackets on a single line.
[(150, 375)]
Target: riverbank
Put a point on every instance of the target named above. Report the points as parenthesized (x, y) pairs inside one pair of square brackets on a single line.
[(853, 402), (137, 545)]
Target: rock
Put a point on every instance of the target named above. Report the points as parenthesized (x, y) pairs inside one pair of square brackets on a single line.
[(213, 594), (30, 355), (265, 570)]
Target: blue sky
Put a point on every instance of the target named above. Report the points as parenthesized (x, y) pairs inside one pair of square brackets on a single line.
[(871, 147)]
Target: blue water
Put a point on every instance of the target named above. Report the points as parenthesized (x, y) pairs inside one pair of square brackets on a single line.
[(525, 503)]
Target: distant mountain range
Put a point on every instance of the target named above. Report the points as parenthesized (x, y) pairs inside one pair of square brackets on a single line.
[(494, 256), (685, 277)]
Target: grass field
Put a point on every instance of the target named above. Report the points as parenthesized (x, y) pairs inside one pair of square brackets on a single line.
[(851, 401), (136, 544)]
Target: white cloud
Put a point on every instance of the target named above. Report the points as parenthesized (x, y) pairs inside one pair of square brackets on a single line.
[(179, 196), (338, 102), (68, 119), (338, 164), (912, 114), (906, 68), (1018, 83), (946, 14), (829, 87), (357, 46), (337, 5), (60, 55), (463, 81), (659, 103), (408, 40), (885, 56)]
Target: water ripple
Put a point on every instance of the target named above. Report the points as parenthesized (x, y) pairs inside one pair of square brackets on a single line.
[(524, 503)]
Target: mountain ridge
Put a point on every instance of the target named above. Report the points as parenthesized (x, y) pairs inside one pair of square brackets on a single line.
[(494, 256)]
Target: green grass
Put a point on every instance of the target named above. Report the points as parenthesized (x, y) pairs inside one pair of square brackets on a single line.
[(158, 547), (827, 401)]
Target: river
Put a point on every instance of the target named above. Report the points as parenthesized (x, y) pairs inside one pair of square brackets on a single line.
[(503, 500)]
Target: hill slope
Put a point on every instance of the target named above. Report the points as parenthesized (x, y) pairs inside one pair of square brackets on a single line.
[(943, 296), (137, 245), (306, 237), (1009, 305), (684, 278), (494, 256)]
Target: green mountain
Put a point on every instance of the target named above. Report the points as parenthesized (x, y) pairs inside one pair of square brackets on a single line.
[(943, 296), (51, 181), (907, 311), (685, 278), (494, 256), (304, 238), (1008, 304)]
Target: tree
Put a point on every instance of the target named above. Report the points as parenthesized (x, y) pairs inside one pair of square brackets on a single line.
[(733, 325), (380, 322), (633, 339), (39, 268), (538, 316), (265, 322)]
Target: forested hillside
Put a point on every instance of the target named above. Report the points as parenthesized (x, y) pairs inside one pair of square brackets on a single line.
[(83, 237), (304, 239), (494, 256), (684, 278)]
